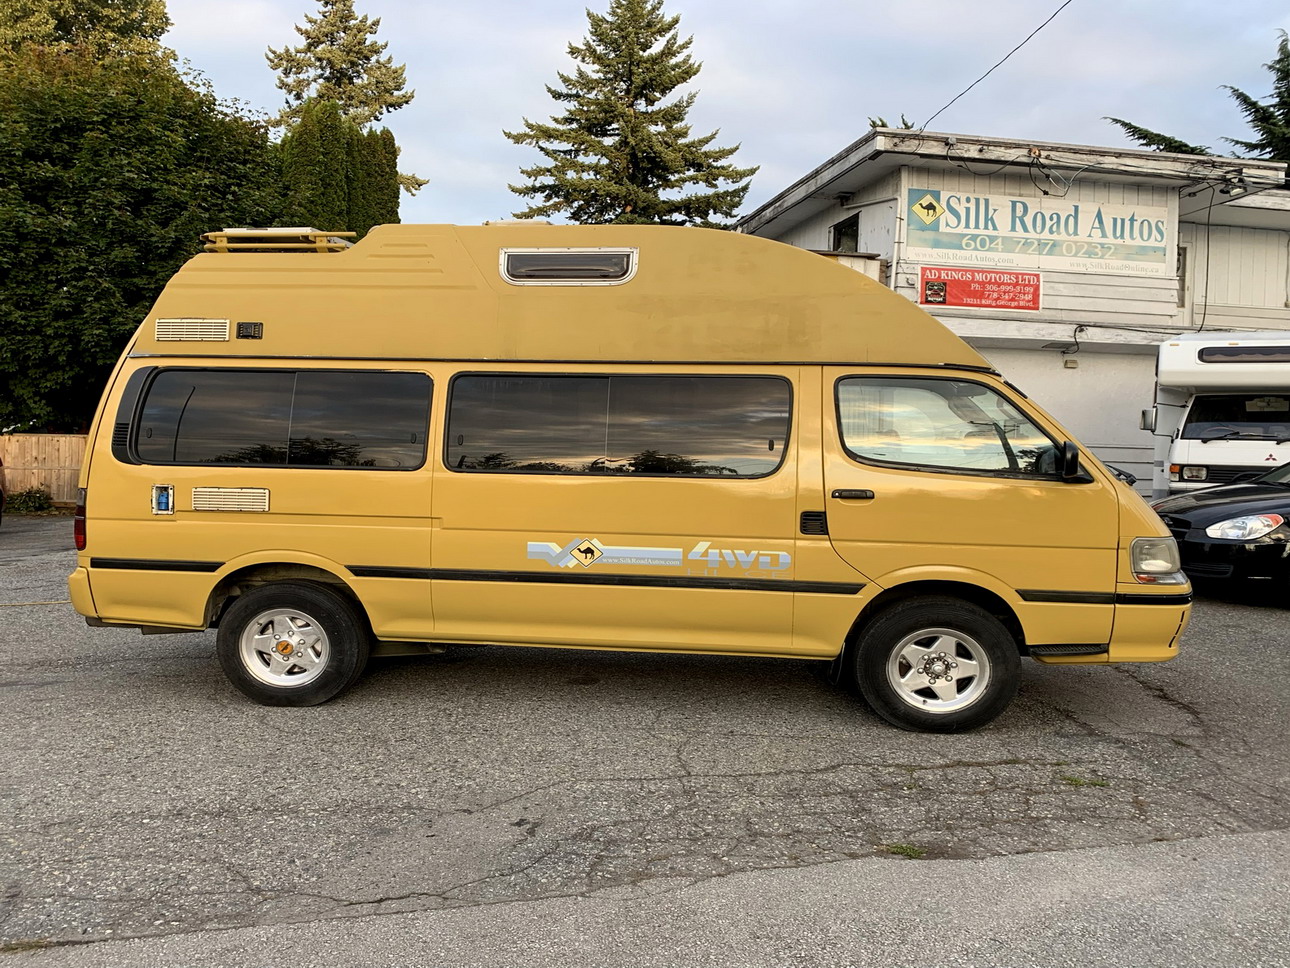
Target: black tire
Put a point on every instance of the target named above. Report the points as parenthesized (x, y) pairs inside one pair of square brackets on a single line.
[(293, 630), (901, 650)]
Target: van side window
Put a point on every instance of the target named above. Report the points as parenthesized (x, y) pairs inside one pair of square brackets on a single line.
[(295, 418), (940, 424), (687, 426)]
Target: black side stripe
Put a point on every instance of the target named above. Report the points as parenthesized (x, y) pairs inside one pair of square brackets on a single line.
[(1101, 598), (1075, 598), (155, 564), (639, 581), (1128, 598)]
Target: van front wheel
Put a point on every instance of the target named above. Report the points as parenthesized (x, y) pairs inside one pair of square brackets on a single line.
[(938, 665), (292, 644)]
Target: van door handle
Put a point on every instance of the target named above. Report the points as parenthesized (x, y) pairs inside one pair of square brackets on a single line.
[(844, 495)]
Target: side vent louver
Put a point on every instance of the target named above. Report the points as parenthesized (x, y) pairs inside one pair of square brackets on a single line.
[(230, 499), (192, 329), (120, 435), (814, 522)]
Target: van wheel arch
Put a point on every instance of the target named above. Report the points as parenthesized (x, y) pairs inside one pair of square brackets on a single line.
[(981, 597), (238, 582)]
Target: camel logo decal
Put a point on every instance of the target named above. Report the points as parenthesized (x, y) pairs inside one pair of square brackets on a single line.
[(588, 551)]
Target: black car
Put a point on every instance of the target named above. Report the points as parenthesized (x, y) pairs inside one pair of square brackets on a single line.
[(1239, 531)]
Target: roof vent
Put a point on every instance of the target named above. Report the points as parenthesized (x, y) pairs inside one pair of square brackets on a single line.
[(277, 239)]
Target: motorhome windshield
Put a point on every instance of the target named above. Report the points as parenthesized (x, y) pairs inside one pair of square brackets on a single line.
[(1232, 416)]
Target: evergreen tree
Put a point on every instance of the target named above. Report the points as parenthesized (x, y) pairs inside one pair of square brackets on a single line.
[(881, 122), (1270, 121), (337, 176), (316, 158), (103, 26), (619, 153), (339, 62)]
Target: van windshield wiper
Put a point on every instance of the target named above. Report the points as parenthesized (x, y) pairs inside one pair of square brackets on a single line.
[(1242, 434)]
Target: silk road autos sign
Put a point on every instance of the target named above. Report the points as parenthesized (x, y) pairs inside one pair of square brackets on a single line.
[(978, 288), (1008, 231)]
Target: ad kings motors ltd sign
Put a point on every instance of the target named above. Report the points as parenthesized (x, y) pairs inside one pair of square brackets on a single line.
[(1006, 231)]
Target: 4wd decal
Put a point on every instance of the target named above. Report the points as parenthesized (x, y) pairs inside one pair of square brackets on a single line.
[(590, 551), (739, 558)]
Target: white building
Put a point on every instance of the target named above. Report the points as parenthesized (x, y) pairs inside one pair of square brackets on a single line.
[(1064, 265)]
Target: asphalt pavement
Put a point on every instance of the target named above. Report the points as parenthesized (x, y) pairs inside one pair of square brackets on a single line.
[(495, 806)]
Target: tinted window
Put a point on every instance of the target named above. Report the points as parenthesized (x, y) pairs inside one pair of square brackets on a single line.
[(671, 425), (216, 417), (286, 417), (944, 424), (568, 266), (1245, 354)]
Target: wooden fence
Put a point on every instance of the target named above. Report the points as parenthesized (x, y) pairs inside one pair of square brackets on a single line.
[(42, 460)]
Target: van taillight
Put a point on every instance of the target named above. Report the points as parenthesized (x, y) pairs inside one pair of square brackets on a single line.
[(78, 523)]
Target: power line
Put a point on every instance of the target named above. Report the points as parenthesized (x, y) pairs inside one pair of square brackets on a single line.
[(991, 70)]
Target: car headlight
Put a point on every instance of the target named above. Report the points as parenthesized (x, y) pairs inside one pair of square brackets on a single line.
[(1155, 561), (1245, 528)]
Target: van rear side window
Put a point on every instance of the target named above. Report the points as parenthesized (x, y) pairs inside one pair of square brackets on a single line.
[(293, 418), (687, 426)]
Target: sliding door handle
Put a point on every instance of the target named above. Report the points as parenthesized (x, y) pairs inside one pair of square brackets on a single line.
[(846, 495)]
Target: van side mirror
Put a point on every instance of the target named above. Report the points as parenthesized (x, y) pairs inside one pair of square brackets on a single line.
[(1070, 468), (1148, 421)]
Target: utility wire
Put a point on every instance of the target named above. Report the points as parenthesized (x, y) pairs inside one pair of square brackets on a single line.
[(991, 70)]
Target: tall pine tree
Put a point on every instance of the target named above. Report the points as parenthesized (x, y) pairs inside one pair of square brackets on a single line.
[(341, 62), (619, 153), (1270, 122), (337, 176)]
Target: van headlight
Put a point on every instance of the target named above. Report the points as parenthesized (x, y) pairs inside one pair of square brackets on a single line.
[(1245, 528), (1155, 561)]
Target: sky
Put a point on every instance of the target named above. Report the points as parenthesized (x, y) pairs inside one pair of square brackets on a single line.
[(792, 82)]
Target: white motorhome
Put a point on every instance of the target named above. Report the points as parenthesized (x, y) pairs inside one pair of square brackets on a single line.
[(1222, 410)]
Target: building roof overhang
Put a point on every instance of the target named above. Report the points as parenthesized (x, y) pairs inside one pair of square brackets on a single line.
[(1229, 191)]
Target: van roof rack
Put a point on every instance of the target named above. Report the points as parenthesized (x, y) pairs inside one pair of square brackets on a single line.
[(277, 239)]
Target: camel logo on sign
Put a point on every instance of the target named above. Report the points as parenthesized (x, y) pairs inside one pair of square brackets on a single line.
[(928, 208)]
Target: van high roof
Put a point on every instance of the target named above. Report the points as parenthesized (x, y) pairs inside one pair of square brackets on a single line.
[(408, 292)]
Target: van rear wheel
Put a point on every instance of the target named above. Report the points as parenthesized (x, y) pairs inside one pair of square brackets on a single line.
[(937, 665), (292, 644)]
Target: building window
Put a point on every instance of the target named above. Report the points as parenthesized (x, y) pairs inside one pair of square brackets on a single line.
[(845, 236), (290, 418), (680, 426)]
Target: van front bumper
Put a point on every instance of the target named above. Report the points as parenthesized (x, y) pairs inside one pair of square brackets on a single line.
[(1146, 628), (1148, 632)]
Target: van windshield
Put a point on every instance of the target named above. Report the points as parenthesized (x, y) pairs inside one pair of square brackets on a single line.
[(1235, 416)]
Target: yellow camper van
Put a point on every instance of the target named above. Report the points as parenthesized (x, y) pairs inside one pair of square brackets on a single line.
[(598, 437)]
